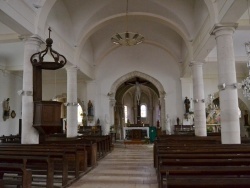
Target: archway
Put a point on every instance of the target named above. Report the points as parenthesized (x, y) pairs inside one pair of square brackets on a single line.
[(118, 89)]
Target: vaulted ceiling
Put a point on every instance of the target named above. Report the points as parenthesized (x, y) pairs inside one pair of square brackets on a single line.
[(82, 29)]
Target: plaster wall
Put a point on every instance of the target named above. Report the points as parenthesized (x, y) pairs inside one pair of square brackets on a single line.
[(146, 59), (10, 83)]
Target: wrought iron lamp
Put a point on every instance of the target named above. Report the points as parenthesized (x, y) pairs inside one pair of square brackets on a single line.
[(127, 38)]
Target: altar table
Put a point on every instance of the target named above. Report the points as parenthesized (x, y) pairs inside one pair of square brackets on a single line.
[(135, 128)]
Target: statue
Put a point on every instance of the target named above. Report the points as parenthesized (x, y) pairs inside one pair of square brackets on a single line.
[(6, 109), (178, 121), (187, 105), (90, 109), (137, 85), (168, 126), (158, 124), (98, 122)]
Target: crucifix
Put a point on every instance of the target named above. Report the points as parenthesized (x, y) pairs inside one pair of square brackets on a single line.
[(137, 83)]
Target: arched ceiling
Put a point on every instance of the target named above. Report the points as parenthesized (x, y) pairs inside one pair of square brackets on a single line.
[(83, 28), (91, 23)]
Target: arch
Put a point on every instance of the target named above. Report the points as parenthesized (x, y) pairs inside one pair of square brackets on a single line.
[(84, 35), (133, 74), (212, 10), (158, 45), (42, 16)]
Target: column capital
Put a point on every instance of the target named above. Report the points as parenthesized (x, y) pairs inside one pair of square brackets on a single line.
[(162, 94), (195, 63), (71, 68), (112, 102), (225, 27)]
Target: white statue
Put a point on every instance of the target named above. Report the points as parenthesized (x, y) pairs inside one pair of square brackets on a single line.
[(168, 125)]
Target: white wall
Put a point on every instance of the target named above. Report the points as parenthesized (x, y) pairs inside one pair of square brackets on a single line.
[(143, 58), (10, 83)]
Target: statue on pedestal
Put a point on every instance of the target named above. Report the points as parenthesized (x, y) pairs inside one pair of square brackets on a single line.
[(90, 109)]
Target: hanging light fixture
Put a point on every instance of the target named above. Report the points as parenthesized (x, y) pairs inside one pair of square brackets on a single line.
[(127, 38)]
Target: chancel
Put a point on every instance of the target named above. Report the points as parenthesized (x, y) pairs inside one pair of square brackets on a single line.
[(137, 84), (165, 84)]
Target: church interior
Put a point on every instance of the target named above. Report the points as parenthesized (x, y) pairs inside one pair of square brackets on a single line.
[(147, 93)]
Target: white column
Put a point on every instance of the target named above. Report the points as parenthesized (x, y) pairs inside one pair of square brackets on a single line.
[(29, 134), (199, 101), (72, 120), (112, 102), (163, 111), (230, 127)]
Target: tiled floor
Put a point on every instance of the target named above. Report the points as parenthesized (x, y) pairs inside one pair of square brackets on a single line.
[(130, 167)]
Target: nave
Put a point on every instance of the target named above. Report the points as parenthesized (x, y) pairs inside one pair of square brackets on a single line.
[(130, 167)]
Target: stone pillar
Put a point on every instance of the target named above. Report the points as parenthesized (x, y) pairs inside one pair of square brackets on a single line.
[(199, 101), (162, 102), (230, 127), (29, 134), (112, 102), (120, 112), (72, 120)]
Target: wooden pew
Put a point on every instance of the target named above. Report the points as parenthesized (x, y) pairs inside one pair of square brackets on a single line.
[(207, 182), (76, 154), (34, 162), (190, 161), (39, 161), (90, 146), (18, 169), (104, 144), (208, 167)]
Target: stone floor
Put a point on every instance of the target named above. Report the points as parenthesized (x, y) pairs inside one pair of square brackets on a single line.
[(130, 167)]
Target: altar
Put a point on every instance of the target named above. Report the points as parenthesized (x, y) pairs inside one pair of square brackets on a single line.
[(135, 133)]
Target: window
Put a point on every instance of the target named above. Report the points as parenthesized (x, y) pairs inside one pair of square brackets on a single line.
[(143, 111), (126, 114)]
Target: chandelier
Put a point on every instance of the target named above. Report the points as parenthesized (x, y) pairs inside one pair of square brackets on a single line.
[(246, 82), (127, 38)]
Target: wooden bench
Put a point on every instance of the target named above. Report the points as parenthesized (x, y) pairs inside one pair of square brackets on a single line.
[(208, 167), (10, 139), (192, 162), (76, 156), (17, 168), (104, 144), (90, 146), (207, 182), (40, 162)]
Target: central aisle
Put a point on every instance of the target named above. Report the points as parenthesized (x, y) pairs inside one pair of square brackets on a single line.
[(130, 167)]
